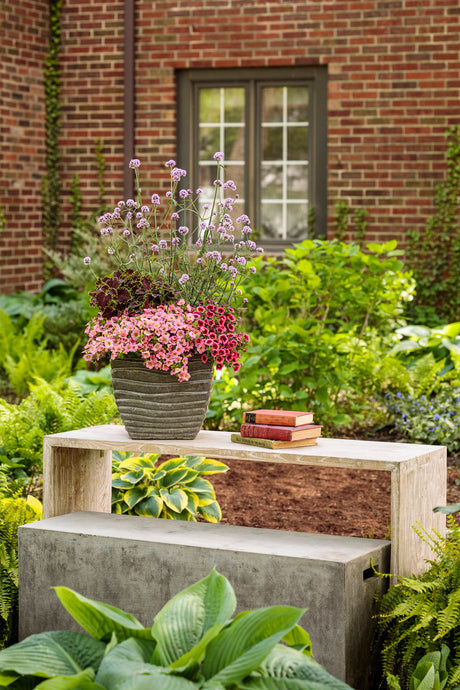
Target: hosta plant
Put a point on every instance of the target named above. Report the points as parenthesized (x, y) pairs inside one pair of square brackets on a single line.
[(175, 489), (193, 644)]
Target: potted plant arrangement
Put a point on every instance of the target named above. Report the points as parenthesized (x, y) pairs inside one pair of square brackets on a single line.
[(168, 312)]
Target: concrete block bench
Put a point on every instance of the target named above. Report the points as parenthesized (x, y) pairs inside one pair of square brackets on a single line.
[(138, 564)]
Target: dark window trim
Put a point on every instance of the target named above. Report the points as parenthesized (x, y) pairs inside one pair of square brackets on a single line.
[(187, 81)]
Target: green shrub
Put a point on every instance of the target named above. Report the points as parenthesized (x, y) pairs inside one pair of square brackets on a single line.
[(430, 672), (192, 644), (14, 511), (420, 614), (175, 489), (47, 410), (314, 317)]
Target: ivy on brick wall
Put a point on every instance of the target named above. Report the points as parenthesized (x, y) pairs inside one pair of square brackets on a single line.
[(434, 254), (51, 185)]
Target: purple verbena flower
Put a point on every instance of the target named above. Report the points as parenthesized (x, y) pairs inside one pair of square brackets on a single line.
[(155, 199), (218, 156), (134, 163), (183, 279), (87, 260), (170, 164)]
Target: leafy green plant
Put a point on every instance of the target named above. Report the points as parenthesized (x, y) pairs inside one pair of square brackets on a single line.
[(348, 226), (443, 342), (428, 419), (47, 410), (175, 489), (14, 511), (434, 253), (430, 672), (51, 185), (192, 644), (420, 614), (25, 357), (313, 317)]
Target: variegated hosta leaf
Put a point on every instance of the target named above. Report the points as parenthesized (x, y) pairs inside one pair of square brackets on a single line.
[(171, 464), (209, 466), (206, 499), (184, 516), (192, 501), (189, 615), (80, 681), (134, 495), (138, 463), (176, 499), (98, 619), (201, 486), (174, 476), (149, 507), (132, 477), (211, 512), (119, 483)]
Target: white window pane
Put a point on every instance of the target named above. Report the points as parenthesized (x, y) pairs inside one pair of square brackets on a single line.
[(272, 220), (297, 221), (271, 182), (297, 182)]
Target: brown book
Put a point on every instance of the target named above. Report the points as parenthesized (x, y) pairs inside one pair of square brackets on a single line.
[(278, 417), (280, 433), (270, 443)]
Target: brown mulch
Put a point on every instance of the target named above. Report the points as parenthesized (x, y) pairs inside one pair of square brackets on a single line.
[(311, 499)]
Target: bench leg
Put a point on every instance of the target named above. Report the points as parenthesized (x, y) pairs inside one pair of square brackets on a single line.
[(76, 479)]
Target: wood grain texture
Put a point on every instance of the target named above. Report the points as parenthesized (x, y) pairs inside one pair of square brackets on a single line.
[(76, 479), (77, 475)]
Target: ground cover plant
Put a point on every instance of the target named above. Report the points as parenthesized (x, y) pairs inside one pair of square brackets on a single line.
[(193, 643)]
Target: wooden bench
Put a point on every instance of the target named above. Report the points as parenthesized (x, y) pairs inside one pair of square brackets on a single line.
[(77, 468)]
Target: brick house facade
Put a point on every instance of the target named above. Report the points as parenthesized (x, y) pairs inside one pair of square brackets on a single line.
[(393, 90)]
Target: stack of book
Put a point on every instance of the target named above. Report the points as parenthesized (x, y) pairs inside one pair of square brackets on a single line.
[(278, 429)]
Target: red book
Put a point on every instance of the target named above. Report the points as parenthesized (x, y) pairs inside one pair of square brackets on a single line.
[(280, 433), (278, 417)]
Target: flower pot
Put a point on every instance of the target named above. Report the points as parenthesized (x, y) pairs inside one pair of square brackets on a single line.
[(155, 405)]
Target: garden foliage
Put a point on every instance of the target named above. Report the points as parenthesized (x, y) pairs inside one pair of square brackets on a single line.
[(47, 410), (14, 511), (176, 489), (420, 614), (434, 254), (193, 643), (314, 317)]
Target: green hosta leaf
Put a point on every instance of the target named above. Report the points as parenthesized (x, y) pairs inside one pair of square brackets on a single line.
[(299, 639), (185, 619), (174, 476), (242, 647), (280, 684), (149, 507), (51, 654), (285, 662), (176, 499), (158, 680), (134, 495), (80, 681), (211, 512), (98, 619), (124, 661)]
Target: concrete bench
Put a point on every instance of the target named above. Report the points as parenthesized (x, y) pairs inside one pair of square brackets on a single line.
[(138, 564)]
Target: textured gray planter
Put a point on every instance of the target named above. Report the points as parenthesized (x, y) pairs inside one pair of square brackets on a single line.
[(155, 405)]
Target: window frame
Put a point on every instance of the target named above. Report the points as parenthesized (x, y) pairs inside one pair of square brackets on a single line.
[(188, 83)]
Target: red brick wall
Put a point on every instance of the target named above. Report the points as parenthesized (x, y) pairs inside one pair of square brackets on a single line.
[(23, 38), (394, 89)]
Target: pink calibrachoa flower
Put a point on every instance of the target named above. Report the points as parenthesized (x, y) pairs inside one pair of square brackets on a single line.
[(167, 336)]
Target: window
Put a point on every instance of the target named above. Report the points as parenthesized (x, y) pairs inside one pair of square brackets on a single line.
[(271, 126)]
